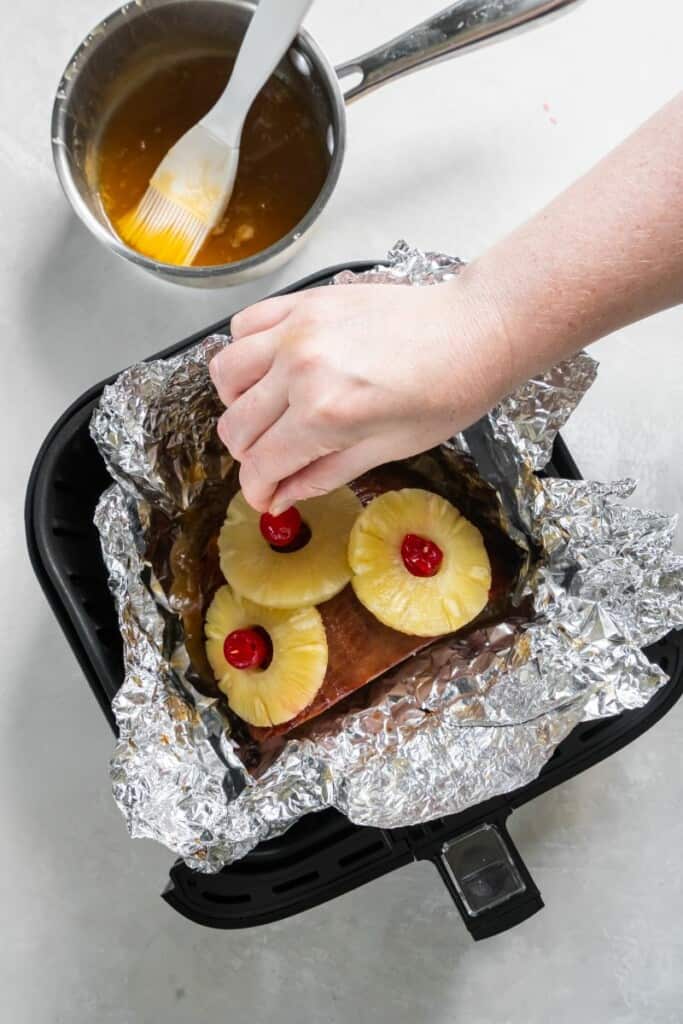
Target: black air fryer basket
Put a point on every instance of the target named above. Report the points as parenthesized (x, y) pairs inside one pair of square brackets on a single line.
[(324, 854)]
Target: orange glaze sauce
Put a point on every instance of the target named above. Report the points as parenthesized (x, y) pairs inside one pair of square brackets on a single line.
[(283, 160)]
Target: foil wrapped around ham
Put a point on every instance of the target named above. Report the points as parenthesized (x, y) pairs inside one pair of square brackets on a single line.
[(582, 582)]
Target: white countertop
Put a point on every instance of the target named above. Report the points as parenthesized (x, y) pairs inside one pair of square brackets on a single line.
[(449, 159)]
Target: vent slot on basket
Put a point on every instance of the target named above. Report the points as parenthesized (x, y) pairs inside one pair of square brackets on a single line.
[(227, 898), (61, 529), (358, 855), (296, 883)]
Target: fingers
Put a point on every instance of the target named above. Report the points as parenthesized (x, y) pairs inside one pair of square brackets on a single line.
[(283, 450), (253, 413), (243, 363), (239, 366), (262, 316), (327, 473)]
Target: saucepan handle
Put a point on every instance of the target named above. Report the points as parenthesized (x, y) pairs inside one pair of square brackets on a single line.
[(462, 25)]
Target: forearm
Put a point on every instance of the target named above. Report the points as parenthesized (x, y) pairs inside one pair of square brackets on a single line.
[(605, 253)]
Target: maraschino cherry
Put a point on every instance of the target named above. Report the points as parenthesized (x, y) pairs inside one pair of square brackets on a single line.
[(281, 531), (421, 557), (248, 648)]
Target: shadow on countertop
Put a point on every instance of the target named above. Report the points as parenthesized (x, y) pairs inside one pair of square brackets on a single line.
[(89, 313)]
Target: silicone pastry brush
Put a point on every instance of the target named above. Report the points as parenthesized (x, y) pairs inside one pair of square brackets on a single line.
[(191, 188)]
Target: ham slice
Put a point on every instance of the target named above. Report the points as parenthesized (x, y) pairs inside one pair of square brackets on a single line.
[(360, 648)]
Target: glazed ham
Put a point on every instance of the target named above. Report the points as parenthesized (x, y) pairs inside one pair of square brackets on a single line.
[(360, 648)]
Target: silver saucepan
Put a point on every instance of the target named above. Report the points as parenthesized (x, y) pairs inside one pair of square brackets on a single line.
[(145, 33)]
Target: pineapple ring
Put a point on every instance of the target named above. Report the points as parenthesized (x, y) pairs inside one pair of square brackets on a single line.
[(418, 605), (276, 579), (275, 694)]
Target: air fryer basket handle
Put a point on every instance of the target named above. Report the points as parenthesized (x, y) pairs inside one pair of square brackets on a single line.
[(487, 879), (462, 25)]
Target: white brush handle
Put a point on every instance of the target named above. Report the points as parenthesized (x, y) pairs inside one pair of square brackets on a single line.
[(273, 25)]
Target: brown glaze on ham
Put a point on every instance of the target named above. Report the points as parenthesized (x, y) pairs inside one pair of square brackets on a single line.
[(359, 647)]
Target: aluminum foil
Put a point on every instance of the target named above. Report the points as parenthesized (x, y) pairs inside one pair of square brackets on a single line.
[(459, 723)]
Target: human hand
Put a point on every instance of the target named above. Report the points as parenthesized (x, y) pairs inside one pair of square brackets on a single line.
[(325, 384)]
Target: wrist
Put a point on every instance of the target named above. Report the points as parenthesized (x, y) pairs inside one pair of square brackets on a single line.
[(483, 354)]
